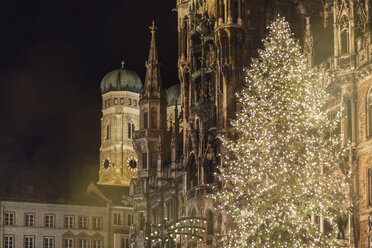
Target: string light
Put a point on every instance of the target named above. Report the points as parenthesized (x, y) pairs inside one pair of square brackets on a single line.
[(284, 166)]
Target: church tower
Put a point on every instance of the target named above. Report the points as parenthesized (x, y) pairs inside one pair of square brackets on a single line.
[(150, 145), (120, 109)]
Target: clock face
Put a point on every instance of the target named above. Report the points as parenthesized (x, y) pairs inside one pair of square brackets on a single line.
[(132, 163), (106, 164)]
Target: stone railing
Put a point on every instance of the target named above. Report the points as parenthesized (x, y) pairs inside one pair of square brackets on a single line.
[(150, 133)]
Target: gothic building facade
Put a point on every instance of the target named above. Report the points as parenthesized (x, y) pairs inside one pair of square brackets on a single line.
[(177, 138)]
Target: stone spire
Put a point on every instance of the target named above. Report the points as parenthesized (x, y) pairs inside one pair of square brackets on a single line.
[(153, 87), (153, 54)]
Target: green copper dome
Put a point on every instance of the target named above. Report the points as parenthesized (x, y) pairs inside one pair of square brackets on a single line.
[(121, 80), (174, 95)]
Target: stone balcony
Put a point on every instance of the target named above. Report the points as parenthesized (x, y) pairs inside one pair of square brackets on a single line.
[(147, 133)]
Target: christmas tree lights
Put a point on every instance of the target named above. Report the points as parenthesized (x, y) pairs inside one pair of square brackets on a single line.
[(283, 169), (167, 231)]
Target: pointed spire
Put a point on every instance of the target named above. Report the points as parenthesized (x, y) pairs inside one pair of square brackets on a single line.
[(153, 54), (153, 87)]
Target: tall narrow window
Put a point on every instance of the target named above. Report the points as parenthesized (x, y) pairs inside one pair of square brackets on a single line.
[(369, 186), (130, 219), (153, 119), (108, 131), (344, 42), (97, 243), (129, 130), (145, 120), (144, 161), (210, 220), (124, 242), (369, 114), (348, 122), (141, 220), (154, 159)]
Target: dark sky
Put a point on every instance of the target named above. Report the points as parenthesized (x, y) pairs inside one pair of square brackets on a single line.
[(53, 55)]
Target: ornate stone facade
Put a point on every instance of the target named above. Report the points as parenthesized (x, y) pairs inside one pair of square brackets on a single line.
[(217, 38)]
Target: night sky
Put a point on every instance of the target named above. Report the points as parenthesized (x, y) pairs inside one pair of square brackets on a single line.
[(53, 55)]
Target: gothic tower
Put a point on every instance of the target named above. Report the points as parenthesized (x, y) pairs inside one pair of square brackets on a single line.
[(149, 144), (120, 108)]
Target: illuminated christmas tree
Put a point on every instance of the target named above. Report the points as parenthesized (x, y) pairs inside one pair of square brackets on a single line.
[(282, 171)]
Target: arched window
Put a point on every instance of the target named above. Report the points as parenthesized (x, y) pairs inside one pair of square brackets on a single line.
[(108, 131), (209, 216), (153, 118), (369, 113)]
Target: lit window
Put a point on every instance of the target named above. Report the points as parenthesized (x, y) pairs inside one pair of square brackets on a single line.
[(97, 244), (49, 220), (8, 241), (97, 221), (117, 219), (9, 219), (83, 222), (29, 219), (48, 242), (69, 222), (122, 100), (29, 242), (69, 243), (115, 101), (124, 242), (83, 243)]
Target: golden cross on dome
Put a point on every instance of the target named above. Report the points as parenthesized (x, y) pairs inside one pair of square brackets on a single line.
[(153, 28)]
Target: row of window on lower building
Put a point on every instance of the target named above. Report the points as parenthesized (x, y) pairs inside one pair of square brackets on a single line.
[(49, 220), (49, 242)]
